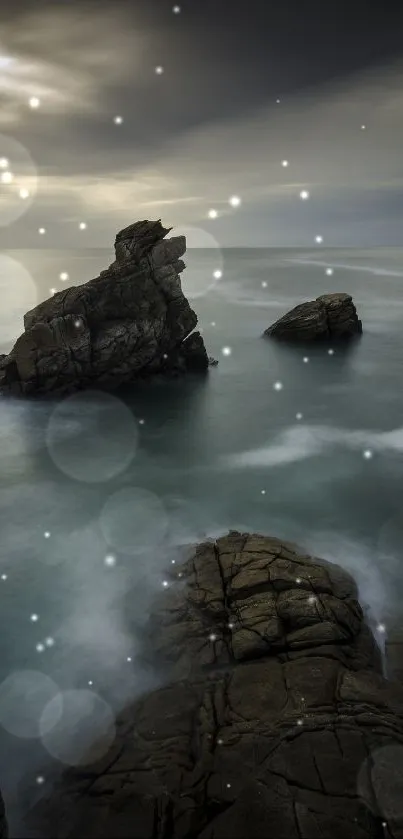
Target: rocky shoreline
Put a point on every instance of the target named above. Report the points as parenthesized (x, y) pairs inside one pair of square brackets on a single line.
[(274, 719)]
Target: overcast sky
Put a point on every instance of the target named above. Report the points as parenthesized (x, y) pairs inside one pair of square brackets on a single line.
[(208, 127)]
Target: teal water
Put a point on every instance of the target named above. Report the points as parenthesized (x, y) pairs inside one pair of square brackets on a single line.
[(96, 494)]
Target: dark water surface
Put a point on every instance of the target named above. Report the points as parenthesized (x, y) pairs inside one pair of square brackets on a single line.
[(97, 492)]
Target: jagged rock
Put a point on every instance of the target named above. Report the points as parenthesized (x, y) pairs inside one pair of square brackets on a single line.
[(329, 317), (194, 353), (394, 651), (189, 357), (131, 321), (274, 721)]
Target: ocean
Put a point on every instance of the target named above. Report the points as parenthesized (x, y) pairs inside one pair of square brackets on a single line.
[(98, 493)]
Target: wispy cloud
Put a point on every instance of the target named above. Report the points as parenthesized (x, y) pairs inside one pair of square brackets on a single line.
[(66, 58), (80, 63), (114, 192)]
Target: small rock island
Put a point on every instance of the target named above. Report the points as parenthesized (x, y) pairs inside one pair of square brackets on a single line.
[(131, 322), (329, 317)]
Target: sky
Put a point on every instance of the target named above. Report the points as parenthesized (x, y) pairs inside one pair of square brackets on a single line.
[(245, 86)]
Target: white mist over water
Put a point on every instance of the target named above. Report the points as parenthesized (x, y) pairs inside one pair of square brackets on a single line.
[(306, 441), (98, 496)]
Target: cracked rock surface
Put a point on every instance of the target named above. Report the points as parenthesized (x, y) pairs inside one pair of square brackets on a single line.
[(130, 322), (274, 719), (329, 317)]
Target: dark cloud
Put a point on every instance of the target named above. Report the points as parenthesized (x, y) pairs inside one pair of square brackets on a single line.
[(206, 128)]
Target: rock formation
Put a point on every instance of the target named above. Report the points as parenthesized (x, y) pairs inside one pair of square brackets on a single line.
[(274, 721), (130, 322), (329, 317)]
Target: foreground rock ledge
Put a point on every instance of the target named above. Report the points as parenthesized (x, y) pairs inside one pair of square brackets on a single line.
[(275, 720), (329, 317), (129, 323)]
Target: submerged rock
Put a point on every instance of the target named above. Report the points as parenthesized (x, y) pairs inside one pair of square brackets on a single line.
[(130, 322), (274, 719), (329, 317)]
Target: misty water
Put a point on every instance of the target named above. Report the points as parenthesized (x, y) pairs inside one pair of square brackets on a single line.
[(98, 492)]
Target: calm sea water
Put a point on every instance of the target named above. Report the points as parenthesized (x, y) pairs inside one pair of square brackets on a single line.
[(96, 493)]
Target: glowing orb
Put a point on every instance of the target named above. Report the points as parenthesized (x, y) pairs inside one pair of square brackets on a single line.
[(76, 431), (199, 277), (77, 727)]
